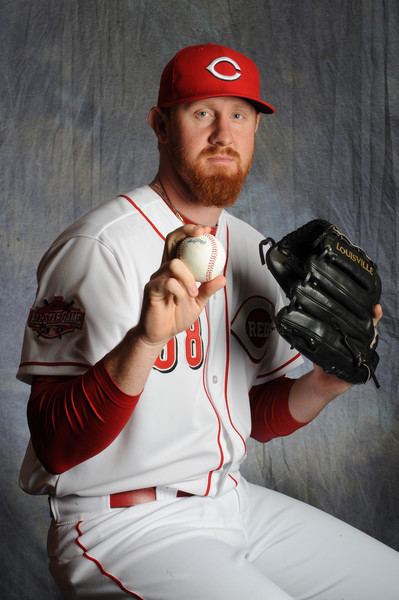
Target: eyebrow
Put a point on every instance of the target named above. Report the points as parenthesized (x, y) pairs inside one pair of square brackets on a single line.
[(207, 103)]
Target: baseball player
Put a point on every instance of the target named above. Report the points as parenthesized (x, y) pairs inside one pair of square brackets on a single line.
[(147, 385)]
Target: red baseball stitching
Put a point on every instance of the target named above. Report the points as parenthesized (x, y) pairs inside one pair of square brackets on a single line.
[(212, 258)]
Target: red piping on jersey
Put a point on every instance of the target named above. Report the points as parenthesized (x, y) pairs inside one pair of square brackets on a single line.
[(280, 367), (143, 215), (226, 372), (208, 487), (235, 480), (55, 364), (99, 565), (203, 376)]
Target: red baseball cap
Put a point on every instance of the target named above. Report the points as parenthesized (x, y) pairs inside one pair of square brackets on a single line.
[(209, 71)]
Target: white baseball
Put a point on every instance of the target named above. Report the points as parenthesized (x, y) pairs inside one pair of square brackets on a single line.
[(203, 255)]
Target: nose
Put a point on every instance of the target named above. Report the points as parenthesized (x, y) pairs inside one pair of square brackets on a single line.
[(221, 134)]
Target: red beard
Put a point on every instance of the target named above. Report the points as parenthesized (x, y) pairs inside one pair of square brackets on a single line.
[(219, 189)]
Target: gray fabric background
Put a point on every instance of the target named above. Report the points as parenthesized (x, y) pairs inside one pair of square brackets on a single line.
[(77, 79)]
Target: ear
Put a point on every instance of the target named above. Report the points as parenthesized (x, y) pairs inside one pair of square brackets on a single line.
[(156, 119), (257, 122)]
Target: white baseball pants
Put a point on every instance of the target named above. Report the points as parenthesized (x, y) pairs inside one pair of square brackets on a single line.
[(252, 543)]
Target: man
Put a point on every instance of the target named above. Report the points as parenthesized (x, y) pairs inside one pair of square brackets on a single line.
[(146, 386)]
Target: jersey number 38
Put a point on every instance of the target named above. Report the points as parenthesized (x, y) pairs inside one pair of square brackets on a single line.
[(194, 350)]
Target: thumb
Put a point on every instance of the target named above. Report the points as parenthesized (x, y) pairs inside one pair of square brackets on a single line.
[(377, 314), (207, 289)]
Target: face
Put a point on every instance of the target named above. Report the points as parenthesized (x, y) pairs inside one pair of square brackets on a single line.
[(210, 145)]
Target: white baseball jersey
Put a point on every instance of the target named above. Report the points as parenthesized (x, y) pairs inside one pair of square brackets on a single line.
[(190, 426)]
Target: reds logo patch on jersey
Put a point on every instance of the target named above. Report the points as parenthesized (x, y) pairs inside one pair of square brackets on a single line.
[(252, 326), (56, 318)]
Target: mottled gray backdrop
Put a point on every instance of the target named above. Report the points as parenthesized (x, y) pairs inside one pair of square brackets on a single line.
[(77, 79)]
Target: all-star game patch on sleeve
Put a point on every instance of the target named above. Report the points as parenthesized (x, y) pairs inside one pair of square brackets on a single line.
[(55, 318), (81, 311)]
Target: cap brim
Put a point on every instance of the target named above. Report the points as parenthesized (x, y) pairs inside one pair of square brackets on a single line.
[(259, 105)]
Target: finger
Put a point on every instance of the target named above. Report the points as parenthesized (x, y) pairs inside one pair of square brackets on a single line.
[(209, 288), (174, 287), (377, 314), (162, 287), (175, 237), (177, 269)]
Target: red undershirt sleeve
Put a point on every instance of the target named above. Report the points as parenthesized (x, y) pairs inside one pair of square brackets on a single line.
[(73, 419), (270, 413)]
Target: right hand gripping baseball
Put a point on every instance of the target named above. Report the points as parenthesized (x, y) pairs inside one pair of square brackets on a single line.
[(172, 301)]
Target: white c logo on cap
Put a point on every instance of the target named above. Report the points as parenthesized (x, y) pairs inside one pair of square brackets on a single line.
[(211, 68)]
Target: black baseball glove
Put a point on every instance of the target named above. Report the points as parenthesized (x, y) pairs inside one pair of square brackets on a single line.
[(332, 286)]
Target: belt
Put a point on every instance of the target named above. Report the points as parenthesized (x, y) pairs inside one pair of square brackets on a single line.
[(133, 497)]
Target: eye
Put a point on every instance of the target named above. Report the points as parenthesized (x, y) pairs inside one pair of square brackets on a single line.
[(202, 114), (238, 116)]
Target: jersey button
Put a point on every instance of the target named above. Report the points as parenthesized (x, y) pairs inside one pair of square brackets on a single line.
[(214, 379)]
